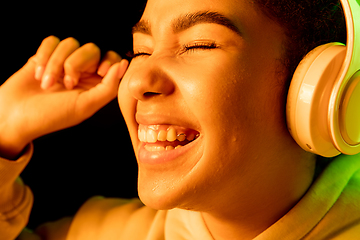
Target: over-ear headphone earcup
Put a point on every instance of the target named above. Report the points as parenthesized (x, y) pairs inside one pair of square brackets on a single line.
[(309, 96)]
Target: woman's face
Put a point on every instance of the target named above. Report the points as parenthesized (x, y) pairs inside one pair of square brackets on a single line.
[(209, 72)]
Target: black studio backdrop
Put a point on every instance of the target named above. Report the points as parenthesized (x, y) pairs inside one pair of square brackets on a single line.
[(96, 157)]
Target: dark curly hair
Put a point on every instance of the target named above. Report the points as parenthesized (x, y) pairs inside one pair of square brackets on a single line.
[(307, 24)]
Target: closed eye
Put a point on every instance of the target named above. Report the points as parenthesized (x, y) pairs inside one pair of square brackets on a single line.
[(188, 48), (137, 54)]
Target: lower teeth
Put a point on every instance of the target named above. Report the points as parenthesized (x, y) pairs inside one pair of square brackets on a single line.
[(160, 148)]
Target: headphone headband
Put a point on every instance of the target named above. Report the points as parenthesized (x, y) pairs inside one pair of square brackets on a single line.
[(350, 67)]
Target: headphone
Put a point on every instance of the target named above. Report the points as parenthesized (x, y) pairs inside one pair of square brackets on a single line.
[(323, 105)]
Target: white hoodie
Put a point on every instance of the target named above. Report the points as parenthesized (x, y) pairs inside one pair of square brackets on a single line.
[(329, 210)]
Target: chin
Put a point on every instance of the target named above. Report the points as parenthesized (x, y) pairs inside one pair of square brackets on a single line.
[(157, 195)]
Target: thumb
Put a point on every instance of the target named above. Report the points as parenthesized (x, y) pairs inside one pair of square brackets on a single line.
[(115, 73), (95, 98)]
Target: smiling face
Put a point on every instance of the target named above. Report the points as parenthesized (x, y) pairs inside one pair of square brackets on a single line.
[(207, 77)]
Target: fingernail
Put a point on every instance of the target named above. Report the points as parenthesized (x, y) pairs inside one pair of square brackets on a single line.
[(47, 82), (104, 68), (68, 82), (39, 72)]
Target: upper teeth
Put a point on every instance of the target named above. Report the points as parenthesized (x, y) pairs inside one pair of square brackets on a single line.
[(154, 133)]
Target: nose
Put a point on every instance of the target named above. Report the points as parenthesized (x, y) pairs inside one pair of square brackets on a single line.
[(150, 79)]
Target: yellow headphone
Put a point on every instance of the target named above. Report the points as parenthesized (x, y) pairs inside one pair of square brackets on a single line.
[(323, 105)]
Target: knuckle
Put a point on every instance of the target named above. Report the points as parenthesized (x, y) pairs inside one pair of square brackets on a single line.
[(111, 57), (114, 56), (70, 42), (69, 66), (54, 67), (44, 51), (55, 62), (33, 60), (92, 47), (51, 40)]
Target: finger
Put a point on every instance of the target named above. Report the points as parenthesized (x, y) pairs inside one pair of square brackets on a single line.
[(109, 59), (55, 65), (112, 81), (43, 54), (83, 60), (97, 97)]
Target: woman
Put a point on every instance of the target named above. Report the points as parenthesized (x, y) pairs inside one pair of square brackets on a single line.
[(204, 100)]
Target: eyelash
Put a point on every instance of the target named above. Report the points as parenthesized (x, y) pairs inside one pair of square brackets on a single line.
[(198, 46), (185, 48), (137, 54)]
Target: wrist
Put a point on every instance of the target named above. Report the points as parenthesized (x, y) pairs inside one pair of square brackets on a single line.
[(11, 150), (12, 140), (11, 153)]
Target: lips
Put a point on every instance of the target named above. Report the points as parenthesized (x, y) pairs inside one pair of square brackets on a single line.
[(158, 138)]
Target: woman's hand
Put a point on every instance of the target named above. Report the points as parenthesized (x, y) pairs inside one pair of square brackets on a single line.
[(61, 86)]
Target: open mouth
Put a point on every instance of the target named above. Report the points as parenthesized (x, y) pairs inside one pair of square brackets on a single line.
[(159, 138)]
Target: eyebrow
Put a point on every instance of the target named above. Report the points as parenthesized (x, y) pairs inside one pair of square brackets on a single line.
[(187, 21), (142, 26)]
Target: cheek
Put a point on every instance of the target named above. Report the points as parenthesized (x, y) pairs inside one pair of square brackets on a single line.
[(220, 92), (234, 102)]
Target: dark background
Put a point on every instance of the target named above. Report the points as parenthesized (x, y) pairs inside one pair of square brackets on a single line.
[(95, 157)]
